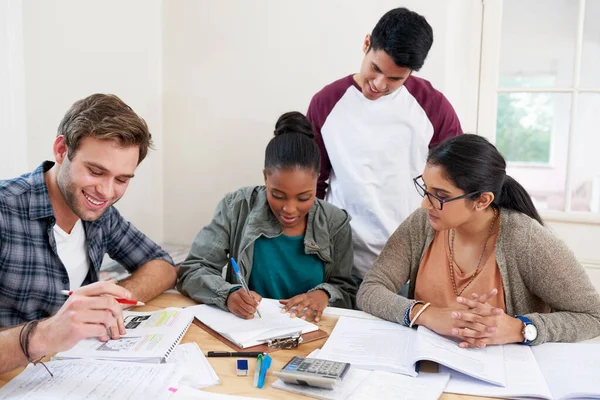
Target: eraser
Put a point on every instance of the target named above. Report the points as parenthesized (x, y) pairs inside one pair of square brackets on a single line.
[(242, 367)]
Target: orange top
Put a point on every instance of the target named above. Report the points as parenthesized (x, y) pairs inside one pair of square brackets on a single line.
[(433, 282)]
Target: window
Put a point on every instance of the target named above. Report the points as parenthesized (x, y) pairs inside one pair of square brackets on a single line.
[(540, 97)]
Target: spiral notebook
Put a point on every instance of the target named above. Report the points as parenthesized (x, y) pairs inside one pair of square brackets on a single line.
[(151, 338)]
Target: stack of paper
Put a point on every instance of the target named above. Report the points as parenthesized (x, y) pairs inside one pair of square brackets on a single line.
[(88, 379), (195, 370), (252, 332)]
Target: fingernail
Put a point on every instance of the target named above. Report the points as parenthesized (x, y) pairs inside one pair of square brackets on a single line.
[(283, 310), (459, 299), (317, 319), (303, 317), (292, 315)]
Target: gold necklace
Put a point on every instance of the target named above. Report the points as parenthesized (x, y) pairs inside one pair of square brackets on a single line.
[(457, 293)]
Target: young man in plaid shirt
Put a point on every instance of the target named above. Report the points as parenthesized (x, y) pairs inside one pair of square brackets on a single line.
[(56, 225)]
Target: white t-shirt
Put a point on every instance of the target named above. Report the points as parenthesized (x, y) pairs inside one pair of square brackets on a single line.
[(73, 252), (371, 150)]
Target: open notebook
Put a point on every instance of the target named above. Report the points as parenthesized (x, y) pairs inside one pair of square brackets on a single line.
[(548, 371), (150, 338), (359, 342), (252, 332)]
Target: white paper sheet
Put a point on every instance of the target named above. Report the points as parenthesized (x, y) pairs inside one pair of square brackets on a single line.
[(523, 377), (360, 384), (92, 380), (195, 370), (361, 342), (252, 332), (185, 393), (571, 370), (385, 385)]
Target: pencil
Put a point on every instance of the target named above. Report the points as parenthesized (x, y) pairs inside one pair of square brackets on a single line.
[(118, 299)]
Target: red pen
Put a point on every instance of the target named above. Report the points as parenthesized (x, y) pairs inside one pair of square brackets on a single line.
[(118, 299)]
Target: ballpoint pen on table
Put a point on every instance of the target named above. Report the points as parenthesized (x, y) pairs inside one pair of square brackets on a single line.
[(118, 299), (248, 354), (236, 269)]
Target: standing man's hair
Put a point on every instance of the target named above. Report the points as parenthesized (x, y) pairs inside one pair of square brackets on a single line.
[(405, 36), (105, 117), (293, 146)]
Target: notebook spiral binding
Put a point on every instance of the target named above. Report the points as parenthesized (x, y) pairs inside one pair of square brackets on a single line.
[(170, 350)]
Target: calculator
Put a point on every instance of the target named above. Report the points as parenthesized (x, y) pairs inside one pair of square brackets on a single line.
[(313, 372)]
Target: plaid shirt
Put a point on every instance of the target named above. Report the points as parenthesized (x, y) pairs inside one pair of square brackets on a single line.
[(31, 273)]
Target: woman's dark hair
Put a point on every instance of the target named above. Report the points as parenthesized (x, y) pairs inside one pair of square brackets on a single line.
[(293, 146), (405, 36), (475, 165)]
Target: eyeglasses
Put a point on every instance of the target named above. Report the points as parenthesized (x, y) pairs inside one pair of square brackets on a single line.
[(433, 199)]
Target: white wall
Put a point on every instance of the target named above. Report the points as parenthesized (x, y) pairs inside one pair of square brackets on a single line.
[(75, 48), (232, 67), (12, 91)]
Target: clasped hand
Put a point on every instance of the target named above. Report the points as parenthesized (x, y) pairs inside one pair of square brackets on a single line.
[(480, 324)]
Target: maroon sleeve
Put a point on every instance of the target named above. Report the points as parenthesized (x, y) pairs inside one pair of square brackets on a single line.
[(320, 106), (445, 124), (438, 109)]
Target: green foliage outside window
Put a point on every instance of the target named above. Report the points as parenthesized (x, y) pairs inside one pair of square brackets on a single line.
[(524, 126)]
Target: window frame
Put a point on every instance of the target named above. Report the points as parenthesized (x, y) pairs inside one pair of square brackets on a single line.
[(489, 89)]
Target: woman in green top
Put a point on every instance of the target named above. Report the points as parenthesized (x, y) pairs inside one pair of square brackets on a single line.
[(288, 244)]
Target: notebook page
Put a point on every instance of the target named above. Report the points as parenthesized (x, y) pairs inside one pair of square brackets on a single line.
[(249, 332), (523, 377), (93, 380), (150, 337), (196, 372), (370, 344), (486, 364), (570, 369)]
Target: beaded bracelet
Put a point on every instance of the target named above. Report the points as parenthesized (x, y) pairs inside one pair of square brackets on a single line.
[(407, 312), (24, 337)]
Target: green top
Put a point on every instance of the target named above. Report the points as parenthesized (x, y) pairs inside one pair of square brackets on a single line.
[(282, 269)]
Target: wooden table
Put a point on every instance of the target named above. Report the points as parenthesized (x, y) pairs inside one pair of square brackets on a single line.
[(226, 367)]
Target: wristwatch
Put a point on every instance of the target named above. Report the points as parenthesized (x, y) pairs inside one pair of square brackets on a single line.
[(529, 330)]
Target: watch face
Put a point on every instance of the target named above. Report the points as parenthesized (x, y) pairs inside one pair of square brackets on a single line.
[(530, 332)]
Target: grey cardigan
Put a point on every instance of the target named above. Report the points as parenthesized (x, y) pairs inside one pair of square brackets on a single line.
[(241, 218), (538, 273)]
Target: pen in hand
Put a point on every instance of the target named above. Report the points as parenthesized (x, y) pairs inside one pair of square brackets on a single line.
[(119, 300), (236, 269)]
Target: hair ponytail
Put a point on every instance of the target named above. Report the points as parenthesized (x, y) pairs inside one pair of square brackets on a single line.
[(514, 197), (293, 145)]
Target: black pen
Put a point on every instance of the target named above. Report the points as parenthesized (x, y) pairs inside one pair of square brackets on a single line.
[(243, 354)]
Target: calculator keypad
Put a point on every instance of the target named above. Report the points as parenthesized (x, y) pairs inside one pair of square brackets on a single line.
[(315, 366)]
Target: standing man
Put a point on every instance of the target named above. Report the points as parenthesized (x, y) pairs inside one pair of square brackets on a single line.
[(375, 128), (57, 222)]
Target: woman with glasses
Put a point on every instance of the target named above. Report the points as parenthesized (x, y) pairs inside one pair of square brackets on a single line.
[(482, 267)]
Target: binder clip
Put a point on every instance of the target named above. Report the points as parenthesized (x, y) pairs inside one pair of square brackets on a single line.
[(289, 342)]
